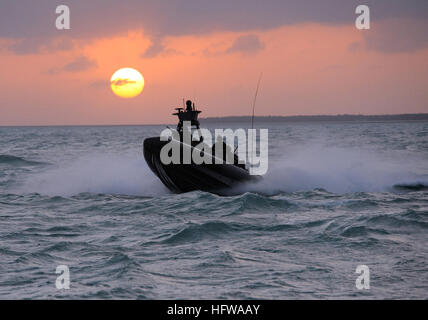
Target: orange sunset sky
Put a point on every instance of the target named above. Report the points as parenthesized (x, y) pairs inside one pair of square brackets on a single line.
[(313, 59)]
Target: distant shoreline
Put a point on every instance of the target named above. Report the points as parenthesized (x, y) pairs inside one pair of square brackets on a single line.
[(416, 117), (323, 118)]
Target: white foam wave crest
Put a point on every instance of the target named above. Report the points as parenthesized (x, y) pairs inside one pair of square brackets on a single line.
[(97, 173), (338, 170)]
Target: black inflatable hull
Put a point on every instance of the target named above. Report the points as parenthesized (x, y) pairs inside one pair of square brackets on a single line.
[(215, 178)]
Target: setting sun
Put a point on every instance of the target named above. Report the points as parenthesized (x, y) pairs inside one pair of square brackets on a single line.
[(127, 83)]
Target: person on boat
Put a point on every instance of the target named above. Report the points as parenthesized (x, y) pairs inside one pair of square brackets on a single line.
[(189, 105)]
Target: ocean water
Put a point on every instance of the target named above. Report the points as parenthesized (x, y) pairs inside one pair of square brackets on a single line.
[(337, 195)]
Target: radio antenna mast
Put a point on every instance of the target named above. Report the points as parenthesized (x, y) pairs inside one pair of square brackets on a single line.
[(255, 98), (254, 108)]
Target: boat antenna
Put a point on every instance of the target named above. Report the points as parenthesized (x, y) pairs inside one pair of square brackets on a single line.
[(254, 108), (255, 98)]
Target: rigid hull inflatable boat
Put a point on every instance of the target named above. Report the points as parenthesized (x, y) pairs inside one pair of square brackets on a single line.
[(218, 178)]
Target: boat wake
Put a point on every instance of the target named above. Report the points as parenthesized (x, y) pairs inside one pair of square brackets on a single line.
[(96, 173), (339, 170), (333, 169)]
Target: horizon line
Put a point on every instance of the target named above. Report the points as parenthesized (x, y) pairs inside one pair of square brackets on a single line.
[(212, 118)]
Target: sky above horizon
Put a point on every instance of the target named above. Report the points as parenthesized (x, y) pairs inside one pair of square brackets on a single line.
[(313, 59)]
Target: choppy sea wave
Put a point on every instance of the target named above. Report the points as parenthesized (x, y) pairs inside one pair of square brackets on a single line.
[(345, 195), (6, 159)]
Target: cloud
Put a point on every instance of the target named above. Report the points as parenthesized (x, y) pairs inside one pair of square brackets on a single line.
[(355, 46), (100, 84), (37, 44), (29, 19), (122, 82), (80, 64), (397, 35), (246, 44), (154, 50), (179, 17), (157, 48)]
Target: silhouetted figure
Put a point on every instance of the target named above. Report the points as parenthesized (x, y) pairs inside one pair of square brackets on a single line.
[(189, 105), (189, 114)]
